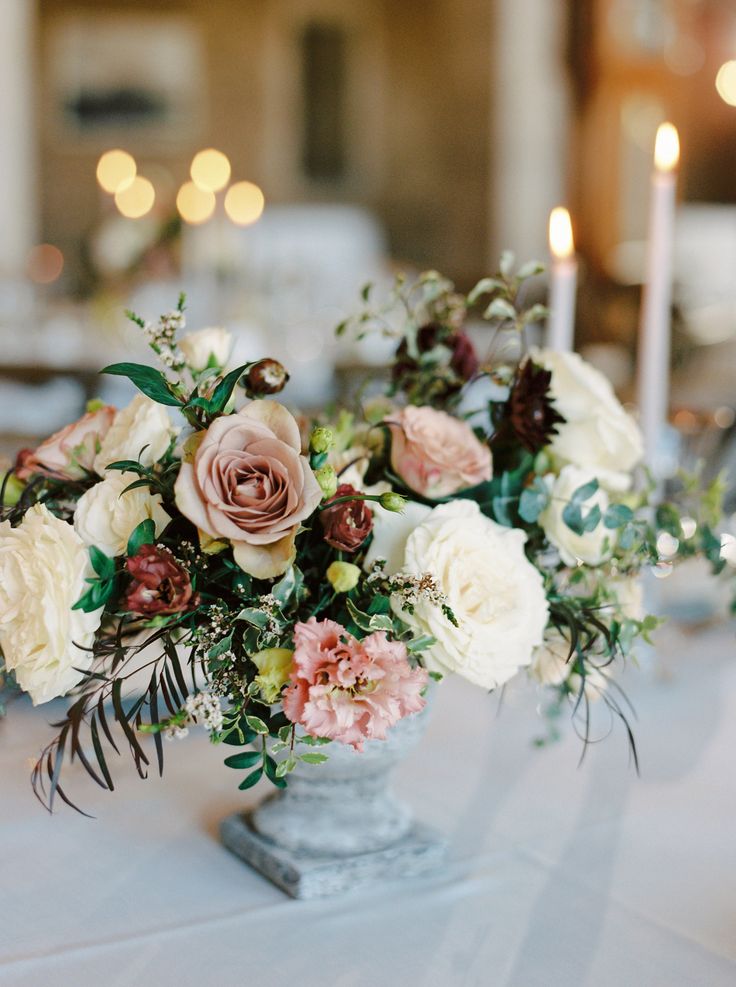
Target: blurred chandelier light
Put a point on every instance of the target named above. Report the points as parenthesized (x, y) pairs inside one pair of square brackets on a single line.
[(194, 203), (136, 199), (116, 170), (244, 203), (560, 233), (666, 147), (726, 82), (210, 170)]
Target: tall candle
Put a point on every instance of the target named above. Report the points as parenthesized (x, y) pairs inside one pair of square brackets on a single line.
[(655, 322), (563, 282)]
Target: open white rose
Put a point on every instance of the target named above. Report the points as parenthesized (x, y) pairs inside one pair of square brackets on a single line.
[(494, 591), (141, 431), (43, 567), (573, 548), (209, 347), (598, 434), (106, 517)]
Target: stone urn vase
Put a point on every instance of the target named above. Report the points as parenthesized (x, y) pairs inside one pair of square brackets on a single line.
[(338, 824)]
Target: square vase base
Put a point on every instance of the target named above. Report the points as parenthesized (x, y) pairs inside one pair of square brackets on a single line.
[(305, 875)]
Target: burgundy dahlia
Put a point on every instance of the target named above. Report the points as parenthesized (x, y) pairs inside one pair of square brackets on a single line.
[(346, 525), (531, 411), (159, 585)]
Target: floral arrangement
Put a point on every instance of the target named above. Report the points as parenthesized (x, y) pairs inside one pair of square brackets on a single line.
[(205, 557)]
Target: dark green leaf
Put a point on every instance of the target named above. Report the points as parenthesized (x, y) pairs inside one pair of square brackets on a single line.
[(103, 565), (147, 379), (253, 778), (246, 759), (617, 516), (223, 391), (143, 534)]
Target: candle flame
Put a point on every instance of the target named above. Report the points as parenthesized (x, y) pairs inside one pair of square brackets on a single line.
[(560, 234), (666, 148)]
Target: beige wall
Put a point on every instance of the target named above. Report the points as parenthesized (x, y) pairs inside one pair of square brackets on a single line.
[(419, 91)]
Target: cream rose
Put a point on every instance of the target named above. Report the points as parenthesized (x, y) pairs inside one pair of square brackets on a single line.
[(106, 517), (494, 591), (248, 483), (70, 453), (436, 454), (43, 568), (209, 347), (590, 547), (598, 434), (141, 431)]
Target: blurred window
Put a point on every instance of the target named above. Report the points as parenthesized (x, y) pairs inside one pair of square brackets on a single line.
[(323, 75)]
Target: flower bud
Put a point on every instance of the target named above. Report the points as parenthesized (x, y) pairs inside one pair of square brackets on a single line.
[(274, 668), (11, 491), (321, 440), (393, 502), (327, 479), (343, 576), (265, 377)]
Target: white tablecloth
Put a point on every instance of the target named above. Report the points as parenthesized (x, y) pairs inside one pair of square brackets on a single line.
[(558, 874)]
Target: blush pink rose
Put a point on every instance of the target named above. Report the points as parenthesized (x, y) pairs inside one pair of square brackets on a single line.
[(436, 454), (69, 453), (350, 690), (248, 483)]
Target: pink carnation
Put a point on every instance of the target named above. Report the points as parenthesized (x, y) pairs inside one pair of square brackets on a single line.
[(350, 690)]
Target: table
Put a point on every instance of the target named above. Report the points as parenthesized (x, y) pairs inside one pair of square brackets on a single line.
[(558, 875)]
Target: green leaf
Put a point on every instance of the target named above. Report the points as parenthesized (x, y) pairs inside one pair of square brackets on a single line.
[(363, 620), (531, 268), (572, 515), (96, 596), (533, 500), (246, 759), (380, 622), (617, 516), (221, 647), (143, 534), (103, 565), (289, 586), (258, 618), (253, 778), (127, 466), (313, 741), (584, 492), (147, 379), (257, 724), (592, 518), (506, 264), (222, 393), (313, 757), (500, 309)]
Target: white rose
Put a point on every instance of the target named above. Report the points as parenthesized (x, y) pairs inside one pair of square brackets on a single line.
[(495, 593), (141, 431), (106, 517), (207, 348), (552, 663), (588, 547), (598, 434), (628, 594), (43, 568), (391, 530)]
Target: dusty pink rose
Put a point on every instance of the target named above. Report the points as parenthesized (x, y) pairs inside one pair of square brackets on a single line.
[(350, 690), (69, 453), (436, 454), (248, 483)]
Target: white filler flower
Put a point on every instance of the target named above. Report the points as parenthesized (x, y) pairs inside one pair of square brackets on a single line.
[(43, 567)]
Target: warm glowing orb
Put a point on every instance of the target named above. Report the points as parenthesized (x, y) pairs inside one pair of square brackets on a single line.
[(195, 204), (244, 203), (116, 170), (136, 199), (666, 147), (210, 170), (561, 242)]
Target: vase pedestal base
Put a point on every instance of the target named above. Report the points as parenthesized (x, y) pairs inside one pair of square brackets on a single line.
[(306, 875)]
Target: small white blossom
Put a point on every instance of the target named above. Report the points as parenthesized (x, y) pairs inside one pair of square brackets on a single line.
[(204, 709)]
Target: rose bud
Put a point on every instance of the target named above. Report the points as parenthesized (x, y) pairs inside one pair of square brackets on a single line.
[(159, 585), (346, 525), (321, 440), (327, 479), (265, 377), (343, 576)]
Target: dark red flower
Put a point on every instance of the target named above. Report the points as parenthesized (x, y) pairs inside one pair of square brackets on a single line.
[(346, 525), (531, 411), (444, 377), (159, 585), (266, 377)]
